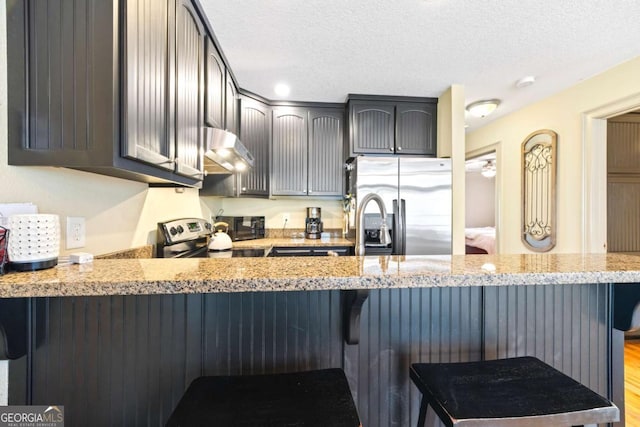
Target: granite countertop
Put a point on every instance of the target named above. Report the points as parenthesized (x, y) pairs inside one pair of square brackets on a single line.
[(202, 275)]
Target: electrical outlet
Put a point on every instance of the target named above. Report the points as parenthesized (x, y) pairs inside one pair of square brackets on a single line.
[(76, 231), (286, 217)]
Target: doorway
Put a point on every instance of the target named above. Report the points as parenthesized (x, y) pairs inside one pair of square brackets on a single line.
[(482, 207), (623, 230)]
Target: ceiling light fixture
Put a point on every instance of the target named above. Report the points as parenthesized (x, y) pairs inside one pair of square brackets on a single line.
[(282, 89), (488, 169), (483, 108)]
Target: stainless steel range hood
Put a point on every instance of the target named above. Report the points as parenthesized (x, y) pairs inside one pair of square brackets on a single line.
[(224, 153)]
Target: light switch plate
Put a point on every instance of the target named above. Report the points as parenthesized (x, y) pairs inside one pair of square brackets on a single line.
[(76, 231)]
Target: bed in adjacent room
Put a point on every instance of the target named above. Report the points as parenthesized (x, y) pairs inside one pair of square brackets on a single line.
[(480, 240)]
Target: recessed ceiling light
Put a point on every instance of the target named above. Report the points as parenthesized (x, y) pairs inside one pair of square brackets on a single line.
[(525, 81), (483, 108), (282, 89)]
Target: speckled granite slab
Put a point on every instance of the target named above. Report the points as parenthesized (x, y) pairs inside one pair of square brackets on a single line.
[(195, 275), (140, 252)]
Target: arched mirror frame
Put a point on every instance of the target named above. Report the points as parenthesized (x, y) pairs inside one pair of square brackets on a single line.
[(539, 190)]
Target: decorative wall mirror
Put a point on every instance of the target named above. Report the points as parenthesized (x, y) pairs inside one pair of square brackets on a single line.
[(539, 190)]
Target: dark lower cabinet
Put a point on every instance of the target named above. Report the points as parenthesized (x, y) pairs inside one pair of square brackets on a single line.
[(107, 86), (127, 360), (280, 251)]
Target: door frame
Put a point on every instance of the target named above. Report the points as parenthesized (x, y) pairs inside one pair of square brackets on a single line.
[(497, 148), (594, 171)]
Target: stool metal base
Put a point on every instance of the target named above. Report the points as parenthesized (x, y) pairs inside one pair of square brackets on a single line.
[(515, 392)]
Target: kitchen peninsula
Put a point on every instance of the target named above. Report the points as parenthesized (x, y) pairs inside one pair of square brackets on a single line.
[(197, 275), (134, 333)]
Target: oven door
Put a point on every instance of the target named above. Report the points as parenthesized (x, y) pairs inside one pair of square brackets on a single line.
[(194, 249)]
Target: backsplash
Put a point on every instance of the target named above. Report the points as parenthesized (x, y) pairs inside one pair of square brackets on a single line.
[(273, 211)]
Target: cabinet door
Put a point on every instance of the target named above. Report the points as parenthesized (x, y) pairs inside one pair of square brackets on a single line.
[(290, 251), (415, 128), (145, 104), (231, 115), (326, 133), (372, 127), (289, 155), (188, 94), (255, 133), (325, 250), (215, 87)]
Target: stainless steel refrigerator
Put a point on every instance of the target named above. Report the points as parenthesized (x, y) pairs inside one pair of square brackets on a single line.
[(417, 196)]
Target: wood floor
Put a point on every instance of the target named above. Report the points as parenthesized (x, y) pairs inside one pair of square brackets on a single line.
[(632, 382)]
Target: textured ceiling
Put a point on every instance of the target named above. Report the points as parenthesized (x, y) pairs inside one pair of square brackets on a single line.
[(330, 48)]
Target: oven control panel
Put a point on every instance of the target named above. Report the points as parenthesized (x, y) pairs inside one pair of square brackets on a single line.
[(183, 229)]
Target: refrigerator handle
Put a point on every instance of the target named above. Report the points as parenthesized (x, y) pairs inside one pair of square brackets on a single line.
[(395, 247), (403, 226)]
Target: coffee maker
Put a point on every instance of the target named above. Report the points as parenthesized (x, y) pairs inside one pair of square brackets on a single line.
[(313, 224)]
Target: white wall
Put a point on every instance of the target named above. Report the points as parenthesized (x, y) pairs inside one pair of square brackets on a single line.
[(563, 114), (119, 214), (480, 204)]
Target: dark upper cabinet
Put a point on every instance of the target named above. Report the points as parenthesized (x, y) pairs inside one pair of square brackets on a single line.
[(189, 80), (372, 127), (146, 99), (289, 153), (255, 134), (416, 128), (326, 135), (307, 151), (107, 86), (231, 105), (215, 85), (392, 125)]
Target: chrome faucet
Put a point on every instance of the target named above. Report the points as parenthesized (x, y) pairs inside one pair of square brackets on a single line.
[(385, 237)]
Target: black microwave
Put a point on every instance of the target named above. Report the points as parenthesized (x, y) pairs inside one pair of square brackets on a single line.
[(244, 227)]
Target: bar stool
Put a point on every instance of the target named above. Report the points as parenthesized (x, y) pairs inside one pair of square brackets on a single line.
[(521, 391), (319, 398)]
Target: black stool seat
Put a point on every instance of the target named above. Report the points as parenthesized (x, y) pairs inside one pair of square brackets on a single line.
[(319, 398), (521, 391)]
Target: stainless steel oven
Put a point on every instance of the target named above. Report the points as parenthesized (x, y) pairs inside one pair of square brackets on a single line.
[(189, 238)]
